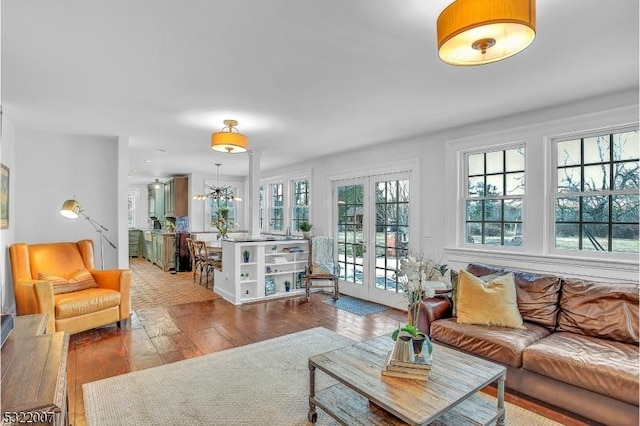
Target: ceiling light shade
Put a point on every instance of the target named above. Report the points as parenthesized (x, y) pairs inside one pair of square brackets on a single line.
[(70, 209), (229, 139), (477, 32)]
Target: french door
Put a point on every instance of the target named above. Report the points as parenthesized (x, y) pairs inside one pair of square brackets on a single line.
[(372, 235)]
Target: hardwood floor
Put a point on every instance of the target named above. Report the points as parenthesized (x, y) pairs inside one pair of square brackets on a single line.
[(164, 334)]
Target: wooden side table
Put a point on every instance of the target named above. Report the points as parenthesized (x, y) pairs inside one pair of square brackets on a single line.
[(34, 374)]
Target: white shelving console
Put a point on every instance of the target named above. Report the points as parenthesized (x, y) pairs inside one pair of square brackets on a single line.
[(263, 275)]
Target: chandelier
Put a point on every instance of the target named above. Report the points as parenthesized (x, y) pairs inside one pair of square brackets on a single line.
[(217, 192)]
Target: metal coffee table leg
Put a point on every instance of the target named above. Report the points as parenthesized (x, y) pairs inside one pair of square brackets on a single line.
[(312, 416), (501, 380)]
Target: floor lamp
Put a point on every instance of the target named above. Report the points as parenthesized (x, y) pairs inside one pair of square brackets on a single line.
[(71, 209)]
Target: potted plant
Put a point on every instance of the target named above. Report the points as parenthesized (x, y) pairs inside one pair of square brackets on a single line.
[(246, 255), (287, 286), (305, 227), (418, 338)]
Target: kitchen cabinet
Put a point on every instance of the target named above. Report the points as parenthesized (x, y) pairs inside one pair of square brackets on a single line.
[(156, 200), (176, 192), (163, 250)]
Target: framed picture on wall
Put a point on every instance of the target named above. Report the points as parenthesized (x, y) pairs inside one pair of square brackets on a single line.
[(4, 197)]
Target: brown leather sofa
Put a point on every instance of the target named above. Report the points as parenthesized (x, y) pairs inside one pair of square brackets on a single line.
[(579, 351), (60, 279)]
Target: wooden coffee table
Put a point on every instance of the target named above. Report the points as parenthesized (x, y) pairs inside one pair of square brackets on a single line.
[(363, 396)]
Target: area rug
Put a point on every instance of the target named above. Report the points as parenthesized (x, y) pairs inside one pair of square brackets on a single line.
[(264, 383), (355, 306)]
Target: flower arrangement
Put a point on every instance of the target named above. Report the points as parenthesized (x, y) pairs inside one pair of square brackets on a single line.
[(222, 222), (414, 271)]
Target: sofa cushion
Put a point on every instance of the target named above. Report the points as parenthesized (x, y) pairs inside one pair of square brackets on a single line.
[(597, 309), (81, 279), (538, 294), (603, 366), (83, 302), (500, 344), (491, 303)]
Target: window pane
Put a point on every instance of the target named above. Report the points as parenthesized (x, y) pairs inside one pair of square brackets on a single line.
[(568, 209), (512, 234), (567, 236), (476, 186), (625, 175), (596, 178), (569, 179), (595, 209), (513, 210), (495, 185), (474, 233), (596, 149), (493, 210), (515, 184), (625, 208), (626, 146), (492, 234), (403, 191), (595, 237), (403, 214), (495, 162), (381, 192), (625, 238), (476, 164), (569, 153), (474, 210), (514, 159)]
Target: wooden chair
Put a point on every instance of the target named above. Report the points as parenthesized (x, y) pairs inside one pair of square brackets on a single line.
[(207, 261), (322, 270), (195, 260)]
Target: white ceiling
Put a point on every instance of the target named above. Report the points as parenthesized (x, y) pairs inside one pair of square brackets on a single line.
[(304, 78)]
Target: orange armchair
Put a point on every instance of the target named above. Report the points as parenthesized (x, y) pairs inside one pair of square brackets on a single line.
[(60, 279)]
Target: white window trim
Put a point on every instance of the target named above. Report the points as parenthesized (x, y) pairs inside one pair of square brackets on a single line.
[(535, 256)]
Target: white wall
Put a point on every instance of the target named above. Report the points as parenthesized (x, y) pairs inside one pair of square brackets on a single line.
[(438, 179), (53, 167), (7, 236)]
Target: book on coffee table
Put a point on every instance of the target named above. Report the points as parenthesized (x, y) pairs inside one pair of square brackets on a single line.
[(420, 363), (406, 370)]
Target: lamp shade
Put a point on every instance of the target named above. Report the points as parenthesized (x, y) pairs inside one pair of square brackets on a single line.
[(229, 139), (477, 32), (70, 209)]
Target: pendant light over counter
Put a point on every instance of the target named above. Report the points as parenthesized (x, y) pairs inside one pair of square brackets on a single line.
[(229, 139), (478, 32)]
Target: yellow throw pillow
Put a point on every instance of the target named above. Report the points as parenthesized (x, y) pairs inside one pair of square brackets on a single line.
[(493, 303)]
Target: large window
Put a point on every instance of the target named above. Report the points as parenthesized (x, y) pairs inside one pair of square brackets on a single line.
[(225, 198), (277, 207), (494, 197), (300, 205), (261, 206), (596, 200)]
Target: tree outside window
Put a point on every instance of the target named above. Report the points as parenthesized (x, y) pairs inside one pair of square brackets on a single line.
[(494, 197), (596, 200)]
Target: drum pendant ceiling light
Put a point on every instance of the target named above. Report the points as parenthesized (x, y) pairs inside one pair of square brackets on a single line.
[(229, 139), (477, 32)]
